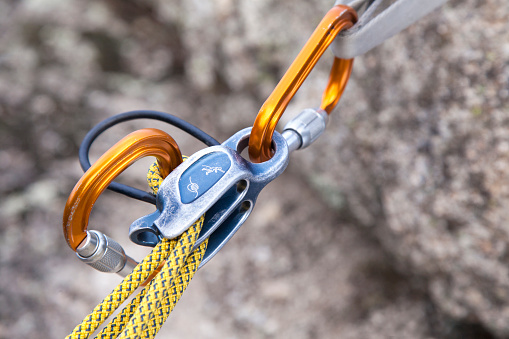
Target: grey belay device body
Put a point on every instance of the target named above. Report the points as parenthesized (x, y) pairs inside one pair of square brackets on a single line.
[(216, 180)]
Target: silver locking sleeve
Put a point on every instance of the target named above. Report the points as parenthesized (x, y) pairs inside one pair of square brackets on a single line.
[(305, 128), (104, 254)]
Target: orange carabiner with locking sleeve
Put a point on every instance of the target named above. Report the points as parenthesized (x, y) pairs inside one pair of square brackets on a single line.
[(139, 144), (337, 19)]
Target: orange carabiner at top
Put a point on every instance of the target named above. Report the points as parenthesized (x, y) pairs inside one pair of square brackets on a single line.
[(139, 144), (337, 19)]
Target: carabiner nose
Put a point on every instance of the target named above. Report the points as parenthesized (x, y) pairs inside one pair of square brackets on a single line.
[(337, 19), (141, 143)]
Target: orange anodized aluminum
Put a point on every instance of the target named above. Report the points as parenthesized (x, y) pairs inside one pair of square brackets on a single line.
[(139, 144), (337, 19)]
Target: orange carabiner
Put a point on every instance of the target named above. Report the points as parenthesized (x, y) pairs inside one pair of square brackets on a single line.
[(139, 144), (337, 19)]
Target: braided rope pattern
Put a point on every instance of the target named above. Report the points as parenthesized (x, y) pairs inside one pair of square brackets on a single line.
[(115, 327), (123, 290), (164, 292), (147, 311), (154, 178)]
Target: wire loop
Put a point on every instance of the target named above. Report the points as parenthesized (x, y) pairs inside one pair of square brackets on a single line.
[(104, 125)]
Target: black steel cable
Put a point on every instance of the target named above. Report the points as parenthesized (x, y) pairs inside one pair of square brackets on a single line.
[(133, 115)]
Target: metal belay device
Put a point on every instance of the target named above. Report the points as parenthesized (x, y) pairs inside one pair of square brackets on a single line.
[(217, 182), (221, 184)]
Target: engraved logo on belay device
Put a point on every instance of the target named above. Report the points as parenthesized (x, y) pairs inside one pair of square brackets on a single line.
[(209, 169), (193, 187), (205, 172)]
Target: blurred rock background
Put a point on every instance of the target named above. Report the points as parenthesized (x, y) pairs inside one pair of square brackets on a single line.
[(393, 225)]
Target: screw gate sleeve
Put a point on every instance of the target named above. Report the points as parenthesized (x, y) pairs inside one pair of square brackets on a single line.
[(308, 125), (107, 256)]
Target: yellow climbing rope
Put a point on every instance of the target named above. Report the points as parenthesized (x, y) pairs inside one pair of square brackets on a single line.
[(147, 311)]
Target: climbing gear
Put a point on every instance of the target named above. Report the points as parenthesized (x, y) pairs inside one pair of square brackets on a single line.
[(167, 270), (378, 21), (336, 20), (200, 204), (216, 180), (219, 182), (94, 248), (147, 311), (203, 201)]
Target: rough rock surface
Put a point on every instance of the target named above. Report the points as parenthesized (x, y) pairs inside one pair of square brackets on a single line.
[(422, 156), (391, 226)]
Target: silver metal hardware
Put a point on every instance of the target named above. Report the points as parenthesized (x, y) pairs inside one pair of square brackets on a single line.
[(293, 139), (104, 254), (305, 128)]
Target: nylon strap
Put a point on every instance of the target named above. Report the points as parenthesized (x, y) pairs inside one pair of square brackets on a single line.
[(381, 20)]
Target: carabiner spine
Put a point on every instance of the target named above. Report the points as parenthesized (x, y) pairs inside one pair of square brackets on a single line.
[(338, 18), (141, 143)]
